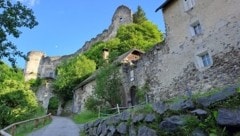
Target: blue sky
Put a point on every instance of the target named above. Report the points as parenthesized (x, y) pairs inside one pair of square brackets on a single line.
[(65, 25)]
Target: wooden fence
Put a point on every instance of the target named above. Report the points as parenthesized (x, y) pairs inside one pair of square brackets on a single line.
[(11, 129), (118, 109)]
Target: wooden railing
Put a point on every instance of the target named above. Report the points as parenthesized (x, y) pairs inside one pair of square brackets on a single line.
[(11, 129)]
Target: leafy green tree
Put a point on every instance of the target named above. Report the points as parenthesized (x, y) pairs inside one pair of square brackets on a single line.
[(108, 86), (139, 16), (70, 73), (17, 101), (96, 53), (13, 16), (141, 36)]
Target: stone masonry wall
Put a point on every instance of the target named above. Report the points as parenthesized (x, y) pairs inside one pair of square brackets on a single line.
[(80, 96), (170, 72)]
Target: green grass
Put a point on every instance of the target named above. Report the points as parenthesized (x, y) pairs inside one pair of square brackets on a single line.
[(85, 116), (200, 94), (27, 128)]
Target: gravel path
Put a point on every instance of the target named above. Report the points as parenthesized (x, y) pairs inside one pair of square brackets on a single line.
[(60, 126)]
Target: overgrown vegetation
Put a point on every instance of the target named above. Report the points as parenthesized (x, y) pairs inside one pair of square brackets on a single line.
[(70, 73), (53, 105), (17, 100), (85, 116), (141, 93), (35, 83), (108, 90), (141, 34)]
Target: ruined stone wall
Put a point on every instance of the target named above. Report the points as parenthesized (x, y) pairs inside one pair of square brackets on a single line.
[(32, 65), (48, 66), (44, 66), (44, 93), (122, 15), (80, 96)]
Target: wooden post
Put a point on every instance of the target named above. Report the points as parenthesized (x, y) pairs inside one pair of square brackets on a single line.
[(44, 121), (13, 130), (118, 110), (36, 123)]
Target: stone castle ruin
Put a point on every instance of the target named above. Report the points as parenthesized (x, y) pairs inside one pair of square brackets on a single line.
[(201, 51), (42, 66)]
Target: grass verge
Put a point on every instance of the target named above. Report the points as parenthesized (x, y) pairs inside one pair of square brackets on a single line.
[(85, 116)]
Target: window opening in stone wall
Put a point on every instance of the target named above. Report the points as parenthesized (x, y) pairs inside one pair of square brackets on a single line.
[(121, 19), (196, 29), (206, 60), (51, 74), (188, 4), (131, 75), (203, 60)]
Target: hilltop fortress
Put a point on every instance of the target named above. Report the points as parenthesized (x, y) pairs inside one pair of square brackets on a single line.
[(40, 65), (201, 51)]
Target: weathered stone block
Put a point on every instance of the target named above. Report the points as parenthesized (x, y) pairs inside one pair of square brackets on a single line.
[(228, 117), (145, 131)]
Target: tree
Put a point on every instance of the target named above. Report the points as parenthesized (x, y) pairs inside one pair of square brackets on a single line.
[(13, 16), (70, 73), (108, 90), (139, 16), (17, 101), (141, 36)]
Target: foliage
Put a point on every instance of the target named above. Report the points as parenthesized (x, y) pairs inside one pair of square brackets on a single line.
[(142, 34), (95, 53), (12, 17), (28, 128), (7, 73), (85, 116), (70, 73), (53, 105), (141, 93), (108, 91), (147, 108), (17, 101), (16, 105), (35, 83), (139, 16), (108, 85), (92, 103)]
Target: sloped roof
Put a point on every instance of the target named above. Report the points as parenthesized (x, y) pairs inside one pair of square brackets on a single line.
[(163, 5), (118, 60), (123, 56), (89, 79)]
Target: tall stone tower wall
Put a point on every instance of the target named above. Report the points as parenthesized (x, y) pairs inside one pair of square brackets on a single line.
[(32, 65), (122, 15)]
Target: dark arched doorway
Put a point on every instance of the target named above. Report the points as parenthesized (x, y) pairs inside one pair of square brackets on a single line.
[(53, 105), (133, 91)]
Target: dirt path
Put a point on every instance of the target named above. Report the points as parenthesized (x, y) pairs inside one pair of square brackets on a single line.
[(60, 126)]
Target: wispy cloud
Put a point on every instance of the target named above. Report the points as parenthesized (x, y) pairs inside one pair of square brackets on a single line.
[(30, 3)]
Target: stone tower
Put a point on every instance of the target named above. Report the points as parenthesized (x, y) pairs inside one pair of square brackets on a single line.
[(32, 65)]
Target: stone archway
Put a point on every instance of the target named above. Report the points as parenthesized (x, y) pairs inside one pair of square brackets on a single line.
[(133, 91)]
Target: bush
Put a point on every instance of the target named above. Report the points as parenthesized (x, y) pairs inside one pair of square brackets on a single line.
[(92, 103), (16, 106)]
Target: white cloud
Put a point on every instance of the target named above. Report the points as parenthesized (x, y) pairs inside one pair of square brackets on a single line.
[(30, 3)]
